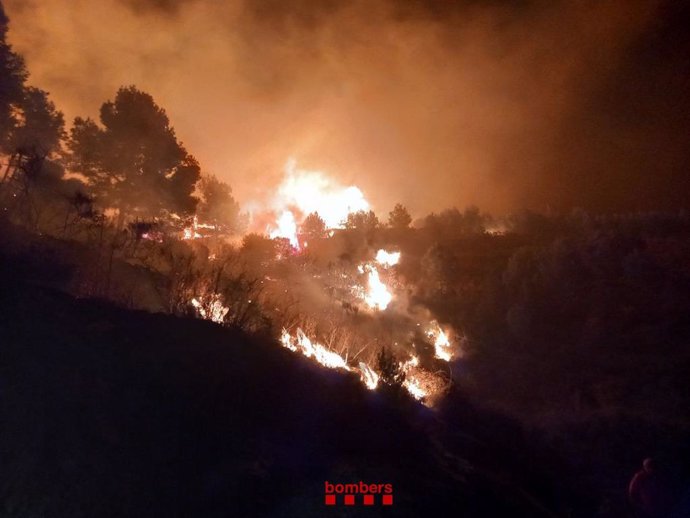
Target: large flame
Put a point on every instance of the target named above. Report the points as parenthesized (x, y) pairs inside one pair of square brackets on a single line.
[(313, 191), (387, 259), (303, 192), (287, 228), (377, 295), (442, 345), (301, 343), (369, 376), (420, 384), (414, 388), (411, 383)]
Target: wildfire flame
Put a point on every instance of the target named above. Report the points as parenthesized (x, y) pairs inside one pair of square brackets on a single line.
[(414, 388), (377, 295), (411, 383), (313, 191), (212, 310), (412, 362), (387, 259), (287, 228), (303, 192), (369, 376), (442, 345), (302, 343), (192, 231), (421, 384)]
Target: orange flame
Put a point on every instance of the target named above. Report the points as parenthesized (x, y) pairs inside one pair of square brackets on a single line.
[(368, 376), (212, 309), (301, 343), (303, 192), (287, 228), (442, 345), (377, 295), (387, 259)]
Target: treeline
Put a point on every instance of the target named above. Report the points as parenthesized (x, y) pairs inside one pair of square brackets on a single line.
[(129, 161), (567, 314), (577, 326)]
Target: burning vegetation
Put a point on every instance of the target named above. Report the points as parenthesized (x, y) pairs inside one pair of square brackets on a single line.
[(351, 297), (306, 265), (574, 318), (346, 303)]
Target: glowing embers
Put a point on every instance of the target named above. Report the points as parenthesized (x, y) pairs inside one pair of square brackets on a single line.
[(421, 384), (210, 308), (192, 231)]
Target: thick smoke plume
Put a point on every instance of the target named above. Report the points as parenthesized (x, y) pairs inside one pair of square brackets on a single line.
[(545, 105)]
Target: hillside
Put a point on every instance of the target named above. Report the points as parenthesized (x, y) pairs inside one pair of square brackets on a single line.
[(110, 412)]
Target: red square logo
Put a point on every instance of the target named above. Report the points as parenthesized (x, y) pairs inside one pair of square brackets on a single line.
[(368, 499), (349, 499), (387, 500), (330, 499)]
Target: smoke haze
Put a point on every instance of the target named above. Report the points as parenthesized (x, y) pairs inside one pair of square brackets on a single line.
[(543, 105)]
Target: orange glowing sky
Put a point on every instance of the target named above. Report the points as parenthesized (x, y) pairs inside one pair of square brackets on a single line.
[(425, 102)]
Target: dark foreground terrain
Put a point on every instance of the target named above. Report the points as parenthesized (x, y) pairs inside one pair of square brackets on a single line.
[(110, 412), (106, 411)]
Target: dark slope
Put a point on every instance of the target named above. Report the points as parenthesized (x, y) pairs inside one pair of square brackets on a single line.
[(109, 412)]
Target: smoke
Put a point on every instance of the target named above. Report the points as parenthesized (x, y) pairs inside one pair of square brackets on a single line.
[(428, 102)]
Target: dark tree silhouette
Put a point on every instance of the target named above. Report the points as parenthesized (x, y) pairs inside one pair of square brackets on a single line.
[(399, 217), (13, 75), (362, 220), (257, 249), (30, 126), (453, 222), (217, 204), (30, 133), (313, 226), (134, 162), (38, 127), (389, 368)]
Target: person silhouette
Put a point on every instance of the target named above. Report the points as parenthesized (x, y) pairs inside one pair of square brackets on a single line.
[(649, 492)]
